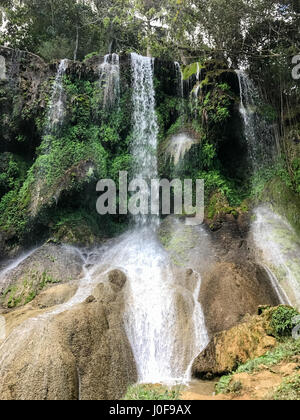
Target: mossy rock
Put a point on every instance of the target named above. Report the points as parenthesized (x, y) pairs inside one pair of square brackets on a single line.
[(75, 232), (284, 201), (24, 292)]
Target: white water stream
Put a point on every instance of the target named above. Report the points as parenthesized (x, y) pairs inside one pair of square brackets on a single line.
[(261, 137), (279, 248), (110, 80), (56, 112)]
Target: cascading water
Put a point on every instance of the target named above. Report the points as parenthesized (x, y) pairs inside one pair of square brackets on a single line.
[(110, 80), (280, 251), (163, 319), (145, 126), (56, 112), (260, 136), (55, 118), (179, 145)]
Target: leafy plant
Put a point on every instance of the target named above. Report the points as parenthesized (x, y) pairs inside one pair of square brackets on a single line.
[(282, 321)]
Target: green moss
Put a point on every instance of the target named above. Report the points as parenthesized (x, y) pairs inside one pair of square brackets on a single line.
[(282, 321), (26, 290), (191, 70)]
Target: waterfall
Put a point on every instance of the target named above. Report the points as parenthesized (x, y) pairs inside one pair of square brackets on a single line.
[(145, 126), (260, 136), (179, 77), (279, 251), (163, 318), (110, 80), (56, 112)]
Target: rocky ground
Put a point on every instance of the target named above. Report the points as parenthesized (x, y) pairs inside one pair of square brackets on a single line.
[(63, 345)]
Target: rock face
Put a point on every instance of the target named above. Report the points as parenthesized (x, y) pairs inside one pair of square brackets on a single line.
[(81, 353), (230, 348), (46, 196), (228, 293), (46, 266), (232, 284)]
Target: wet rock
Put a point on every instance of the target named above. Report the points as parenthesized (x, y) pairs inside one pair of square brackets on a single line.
[(44, 267), (81, 353), (44, 196), (230, 348), (90, 299), (117, 278), (228, 293), (54, 296)]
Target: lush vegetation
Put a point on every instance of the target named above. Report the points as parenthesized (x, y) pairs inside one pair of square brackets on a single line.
[(152, 392), (210, 38)]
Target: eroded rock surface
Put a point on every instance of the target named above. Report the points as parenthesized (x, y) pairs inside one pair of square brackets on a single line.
[(43, 267), (80, 353), (228, 349)]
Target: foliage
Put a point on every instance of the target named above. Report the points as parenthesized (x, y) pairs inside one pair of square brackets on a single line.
[(152, 392), (12, 172), (215, 107), (282, 321)]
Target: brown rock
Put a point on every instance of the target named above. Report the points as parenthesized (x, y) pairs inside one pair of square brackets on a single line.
[(117, 278), (81, 353), (228, 293), (46, 266), (230, 348)]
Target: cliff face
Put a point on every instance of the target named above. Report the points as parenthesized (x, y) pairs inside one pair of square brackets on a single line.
[(49, 171)]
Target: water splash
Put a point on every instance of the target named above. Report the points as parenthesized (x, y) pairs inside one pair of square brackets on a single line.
[(260, 136), (110, 80), (279, 248), (179, 145), (163, 318)]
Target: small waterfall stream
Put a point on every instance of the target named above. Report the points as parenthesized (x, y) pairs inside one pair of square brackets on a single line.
[(110, 80), (279, 252), (179, 77), (260, 136), (56, 112)]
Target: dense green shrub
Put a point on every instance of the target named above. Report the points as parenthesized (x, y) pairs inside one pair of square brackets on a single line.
[(282, 321)]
